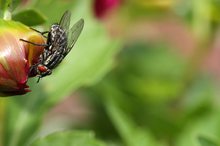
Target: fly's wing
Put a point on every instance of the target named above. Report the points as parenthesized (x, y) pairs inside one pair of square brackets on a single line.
[(74, 33), (65, 21), (64, 25)]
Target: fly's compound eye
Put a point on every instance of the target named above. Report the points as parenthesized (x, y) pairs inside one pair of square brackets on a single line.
[(42, 68)]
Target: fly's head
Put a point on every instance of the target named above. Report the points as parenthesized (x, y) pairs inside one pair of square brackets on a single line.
[(43, 71)]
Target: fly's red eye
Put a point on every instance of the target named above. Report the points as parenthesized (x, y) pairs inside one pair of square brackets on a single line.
[(42, 68)]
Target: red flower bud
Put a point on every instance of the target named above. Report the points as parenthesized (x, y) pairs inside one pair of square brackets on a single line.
[(16, 56), (101, 7)]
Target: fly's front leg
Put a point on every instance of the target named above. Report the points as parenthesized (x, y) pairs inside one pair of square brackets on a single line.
[(44, 45), (42, 33)]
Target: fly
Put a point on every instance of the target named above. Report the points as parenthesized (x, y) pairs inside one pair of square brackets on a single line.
[(60, 40)]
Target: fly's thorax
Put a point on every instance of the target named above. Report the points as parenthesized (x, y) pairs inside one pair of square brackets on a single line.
[(57, 33), (54, 30), (58, 36)]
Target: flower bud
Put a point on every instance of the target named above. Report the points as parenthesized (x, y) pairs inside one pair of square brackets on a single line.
[(16, 56), (102, 7)]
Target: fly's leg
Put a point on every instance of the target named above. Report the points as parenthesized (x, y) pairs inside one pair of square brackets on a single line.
[(33, 67), (38, 80), (48, 72), (42, 33), (44, 45)]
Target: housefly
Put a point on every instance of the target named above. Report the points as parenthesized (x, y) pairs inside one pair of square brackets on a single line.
[(60, 40)]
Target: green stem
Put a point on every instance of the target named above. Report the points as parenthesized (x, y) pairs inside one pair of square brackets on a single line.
[(7, 15), (2, 119)]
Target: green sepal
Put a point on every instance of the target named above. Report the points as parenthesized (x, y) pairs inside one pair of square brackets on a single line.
[(30, 17)]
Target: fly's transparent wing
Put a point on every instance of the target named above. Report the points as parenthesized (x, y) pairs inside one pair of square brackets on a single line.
[(65, 21), (60, 40), (74, 33)]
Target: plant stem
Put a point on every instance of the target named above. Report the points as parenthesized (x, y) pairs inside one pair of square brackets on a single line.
[(7, 15), (2, 120)]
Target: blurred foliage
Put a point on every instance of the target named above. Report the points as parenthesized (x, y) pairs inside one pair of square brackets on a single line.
[(149, 94), (167, 104), (206, 142), (69, 139)]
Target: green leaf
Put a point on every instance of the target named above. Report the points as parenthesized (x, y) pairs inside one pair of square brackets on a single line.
[(205, 125), (131, 134), (54, 9), (69, 138), (206, 142), (29, 17)]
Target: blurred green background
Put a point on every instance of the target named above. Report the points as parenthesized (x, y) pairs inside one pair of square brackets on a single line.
[(143, 73)]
